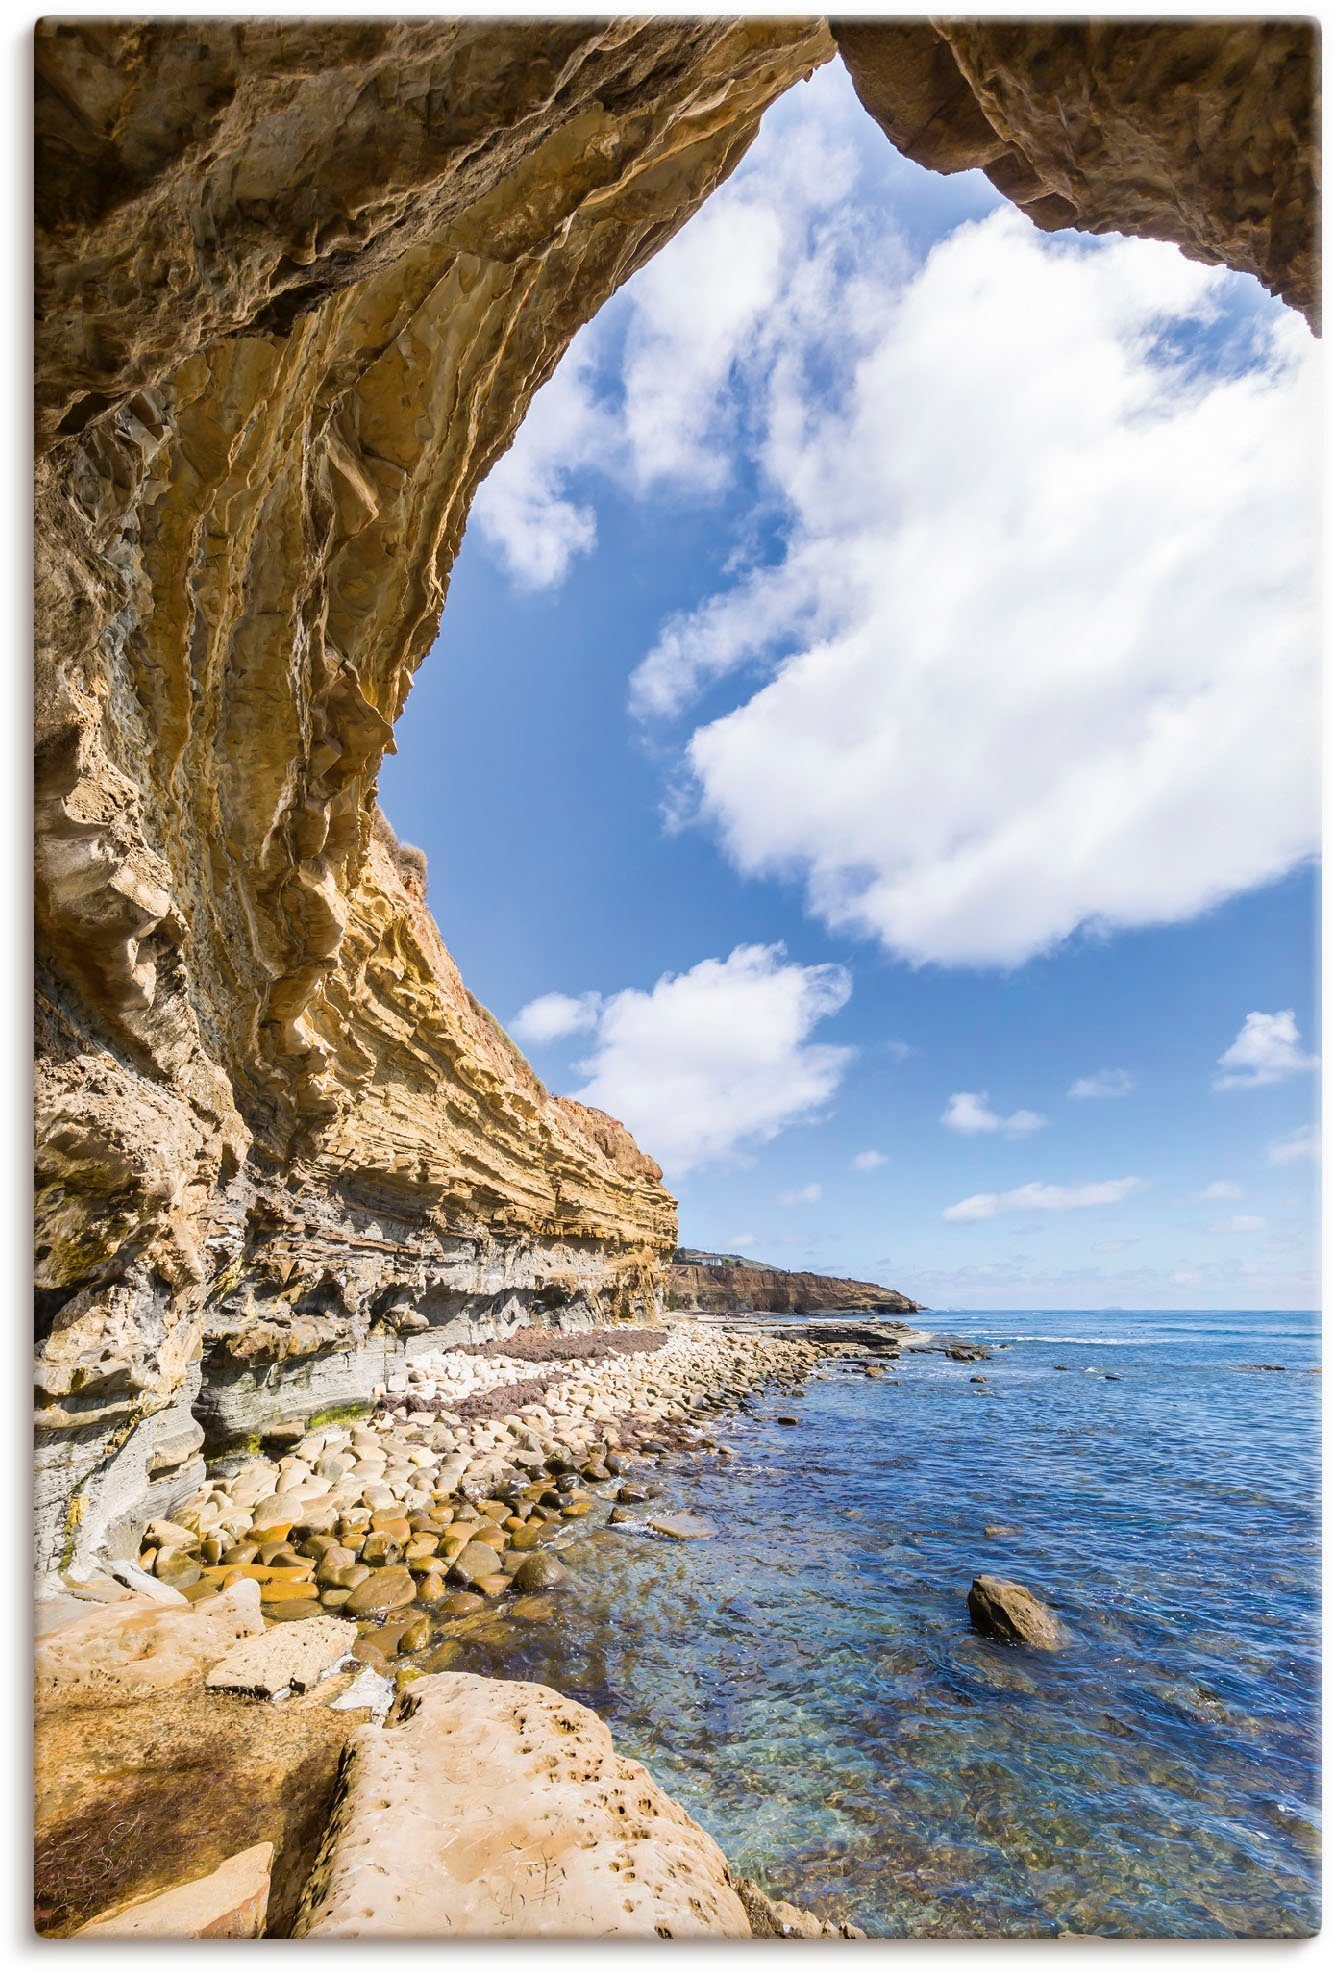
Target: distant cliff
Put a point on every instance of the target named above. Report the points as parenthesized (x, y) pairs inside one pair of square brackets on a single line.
[(719, 1282)]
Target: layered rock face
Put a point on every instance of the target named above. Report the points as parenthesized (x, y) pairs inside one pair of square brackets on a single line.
[(297, 283), (719, 1283), (1204, 132)]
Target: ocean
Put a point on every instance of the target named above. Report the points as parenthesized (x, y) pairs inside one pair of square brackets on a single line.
[(808, 1685)]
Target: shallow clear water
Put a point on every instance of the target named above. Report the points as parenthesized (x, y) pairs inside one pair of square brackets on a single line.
[(808, 1684)]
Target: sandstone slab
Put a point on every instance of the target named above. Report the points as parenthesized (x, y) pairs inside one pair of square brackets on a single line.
[(139, 1647), (228, 1903), (490, 1809), (293, 1657)]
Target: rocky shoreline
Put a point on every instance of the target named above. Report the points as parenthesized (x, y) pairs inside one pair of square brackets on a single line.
[(341, 1575)]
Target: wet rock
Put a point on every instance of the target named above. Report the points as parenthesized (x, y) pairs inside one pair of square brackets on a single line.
[(538, 1571), (1008, 1612), (385, 1589), (473, 1562), (683, 1526)]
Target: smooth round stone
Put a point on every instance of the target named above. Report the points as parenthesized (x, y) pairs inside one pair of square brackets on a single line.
[(277, 1589), (532, 1608), (432, 1589), (493, 1585), (458, 1602), (474, 1562), (416, 1636), (387, 1588), (276, 1516), (538, 1571), (380, 1550), (177, 1569), (290, 1611), (334, 1598), (332, 1566)]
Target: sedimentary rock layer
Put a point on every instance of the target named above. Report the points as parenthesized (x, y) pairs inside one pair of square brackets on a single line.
[(718, 1283), (1200, 131), (297, 283)]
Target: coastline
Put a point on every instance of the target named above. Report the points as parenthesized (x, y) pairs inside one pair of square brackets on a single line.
[(439, 1516)]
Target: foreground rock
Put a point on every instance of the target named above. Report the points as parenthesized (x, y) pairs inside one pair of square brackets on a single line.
[(229, 1903), (140, 1646), (491, 1809), (1010, 1613), (293, 1657)]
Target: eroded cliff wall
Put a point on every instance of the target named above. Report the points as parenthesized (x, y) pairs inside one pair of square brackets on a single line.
[(1205, 132), (297, 282)]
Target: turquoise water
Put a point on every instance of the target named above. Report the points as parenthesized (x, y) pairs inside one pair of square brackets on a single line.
[(808, 1684)]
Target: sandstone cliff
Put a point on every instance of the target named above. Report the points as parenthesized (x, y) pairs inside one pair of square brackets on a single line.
[(297, 282), (718, 1283), (1200, 131)]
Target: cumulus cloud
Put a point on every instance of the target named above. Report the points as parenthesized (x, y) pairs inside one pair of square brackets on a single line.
[(806, 1194), (1243, 1221), (1220, 1192), (1300, 1144), (716, 1060), (528, 518), (1042, 1197), (867, 1160), (971, 1115), (555, 1016), (1266, 1049), (1107, 1085), (1041, 645)]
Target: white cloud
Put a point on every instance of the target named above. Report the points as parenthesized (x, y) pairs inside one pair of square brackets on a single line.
[(899, 1050), (528, 520), (1107, 1084), (971, 1115), (1220, 1192), (555, 1016), (1301, 1143), (741, 1242), (1266, 1049), (867, 1160), (720, 1058), (1041, 643), (806, 1194), (1042, 1197), (1243, 1221)]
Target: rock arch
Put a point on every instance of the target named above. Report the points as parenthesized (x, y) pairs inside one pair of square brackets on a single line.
[(297, 282)]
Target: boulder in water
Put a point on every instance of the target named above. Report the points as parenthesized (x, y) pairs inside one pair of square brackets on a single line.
[(1010, 1613)]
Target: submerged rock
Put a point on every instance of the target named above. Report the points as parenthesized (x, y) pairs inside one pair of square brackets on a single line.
[(1010, 1613), (683, 1526)]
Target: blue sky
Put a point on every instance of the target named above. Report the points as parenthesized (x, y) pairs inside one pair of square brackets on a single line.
[(871, 742)]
